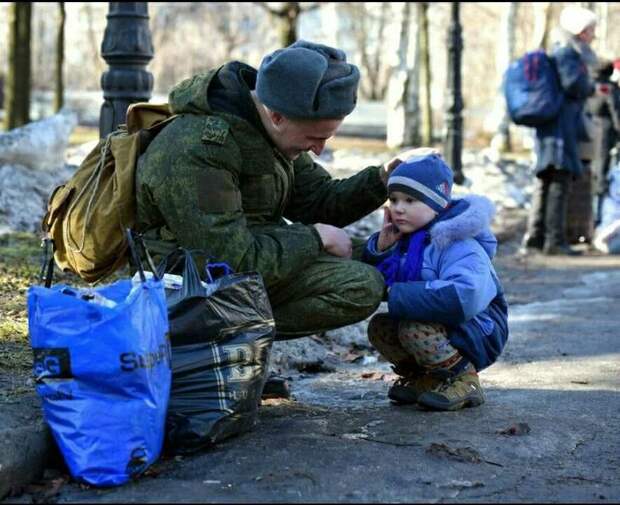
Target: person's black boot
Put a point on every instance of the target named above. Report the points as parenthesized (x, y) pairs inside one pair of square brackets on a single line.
[(555, 215), (560, 249), (534, 238), (276, 386), (531, 244)]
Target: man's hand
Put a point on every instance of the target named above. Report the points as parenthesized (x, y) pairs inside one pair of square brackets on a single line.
[(335, 240), (389, 233), (397, 160)]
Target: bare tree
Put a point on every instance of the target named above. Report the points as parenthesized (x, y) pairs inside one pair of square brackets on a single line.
[(602, 30), (59, 89), (228, 20), (192, 37), (426, 75), (503, 58), (163, 23), (93, 42), (288, 17), (542, 22), (403, 110), (18, 77), (367, 27)]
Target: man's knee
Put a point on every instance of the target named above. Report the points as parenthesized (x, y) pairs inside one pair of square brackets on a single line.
[(367, 286), (381, 329)]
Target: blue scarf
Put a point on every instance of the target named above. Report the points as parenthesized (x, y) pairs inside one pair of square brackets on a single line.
[(394, 270)]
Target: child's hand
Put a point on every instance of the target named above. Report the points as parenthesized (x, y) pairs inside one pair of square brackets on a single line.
[(389, 233)]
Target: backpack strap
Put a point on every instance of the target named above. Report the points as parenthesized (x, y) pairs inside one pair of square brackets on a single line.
[(146, 135), (94, 178), (134, 238)]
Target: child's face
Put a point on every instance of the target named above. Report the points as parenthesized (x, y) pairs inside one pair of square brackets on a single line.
[(409, 214)]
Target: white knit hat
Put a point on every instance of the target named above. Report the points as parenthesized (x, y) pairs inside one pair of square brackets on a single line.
[(575, 19)]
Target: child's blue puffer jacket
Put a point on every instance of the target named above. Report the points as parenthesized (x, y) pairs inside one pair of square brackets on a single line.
[(459, 286)]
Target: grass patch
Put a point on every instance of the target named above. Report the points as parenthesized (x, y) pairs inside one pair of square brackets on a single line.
[(14, 330), (20, 265), (20, 256)]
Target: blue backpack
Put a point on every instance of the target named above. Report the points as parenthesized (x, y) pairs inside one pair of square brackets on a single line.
[(532, 90)]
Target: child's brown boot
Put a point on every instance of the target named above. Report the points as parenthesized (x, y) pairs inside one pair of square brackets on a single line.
[(411, 385), (456, 392)]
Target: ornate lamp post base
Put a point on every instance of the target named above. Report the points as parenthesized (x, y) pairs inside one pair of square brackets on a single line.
[(127, 48)]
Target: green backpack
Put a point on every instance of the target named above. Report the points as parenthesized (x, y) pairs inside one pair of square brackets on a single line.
[(87, 217)]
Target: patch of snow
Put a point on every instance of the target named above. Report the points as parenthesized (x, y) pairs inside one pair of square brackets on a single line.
[(39, 145)]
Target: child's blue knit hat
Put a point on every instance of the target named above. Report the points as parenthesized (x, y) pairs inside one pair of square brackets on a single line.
[(427, 178), (308, 81)]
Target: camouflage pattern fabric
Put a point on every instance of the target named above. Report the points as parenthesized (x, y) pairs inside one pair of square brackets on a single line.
[(330, 293), (383, 335), (214, 182)]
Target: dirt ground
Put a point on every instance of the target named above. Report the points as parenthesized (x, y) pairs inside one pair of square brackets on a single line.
[(20, 267), (542, 436), (526, 279)]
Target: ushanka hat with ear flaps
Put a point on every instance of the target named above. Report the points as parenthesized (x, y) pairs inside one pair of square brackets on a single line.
[(308, 81), (426, 178)]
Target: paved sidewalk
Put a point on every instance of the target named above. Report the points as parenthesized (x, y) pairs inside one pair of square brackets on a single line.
[(547, 433)]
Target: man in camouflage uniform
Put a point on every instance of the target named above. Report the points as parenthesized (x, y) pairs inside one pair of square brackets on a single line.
[(222, 177)]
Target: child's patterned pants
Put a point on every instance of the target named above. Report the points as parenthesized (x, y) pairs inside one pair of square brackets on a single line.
[(400, 342)]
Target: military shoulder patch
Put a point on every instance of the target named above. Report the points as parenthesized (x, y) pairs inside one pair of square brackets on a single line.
[(215, 130)]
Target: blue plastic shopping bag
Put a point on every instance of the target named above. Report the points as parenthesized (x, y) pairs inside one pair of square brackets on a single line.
[(102, 370)]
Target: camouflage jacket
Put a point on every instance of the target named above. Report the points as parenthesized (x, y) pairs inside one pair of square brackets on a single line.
[(212, 180)]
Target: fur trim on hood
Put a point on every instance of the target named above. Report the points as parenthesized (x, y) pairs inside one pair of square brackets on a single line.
[(469, 223)]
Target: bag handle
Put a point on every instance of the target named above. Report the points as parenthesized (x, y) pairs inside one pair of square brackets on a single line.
[(192, 283), (132, 239), (46, 275), (47, 264), (210, 268)]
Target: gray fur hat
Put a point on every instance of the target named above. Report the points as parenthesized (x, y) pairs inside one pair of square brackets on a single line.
[(308, 81)]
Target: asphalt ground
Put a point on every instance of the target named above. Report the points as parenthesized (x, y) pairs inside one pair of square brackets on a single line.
[(548, 432)]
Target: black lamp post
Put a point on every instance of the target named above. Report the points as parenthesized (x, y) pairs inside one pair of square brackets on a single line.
[(454, 120), (127, 48)]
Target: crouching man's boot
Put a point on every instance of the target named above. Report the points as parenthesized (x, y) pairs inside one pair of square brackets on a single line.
[(411, 384), (455, 392), (276, 386)]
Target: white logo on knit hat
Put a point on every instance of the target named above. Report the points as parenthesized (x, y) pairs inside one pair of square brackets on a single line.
[(443, 188)]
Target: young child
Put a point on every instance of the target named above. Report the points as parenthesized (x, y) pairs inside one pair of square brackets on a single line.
[(447, 314)]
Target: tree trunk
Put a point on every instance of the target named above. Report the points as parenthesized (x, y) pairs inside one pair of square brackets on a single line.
[(378, 88), (288, 30), (542, 22), (504, 57), (17, 93), (425, 73), (403, 122), (59, 89), (94, 42), (602, 26)]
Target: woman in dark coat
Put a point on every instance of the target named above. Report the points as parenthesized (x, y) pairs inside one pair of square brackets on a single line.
[(556, 146)]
